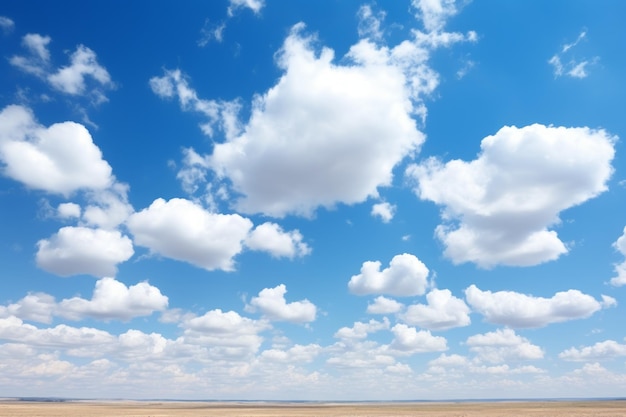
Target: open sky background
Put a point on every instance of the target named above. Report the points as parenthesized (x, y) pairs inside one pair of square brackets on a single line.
[(327, 200)]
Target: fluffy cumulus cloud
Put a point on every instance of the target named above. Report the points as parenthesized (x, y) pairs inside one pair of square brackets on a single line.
[(113, 300), (526, 311), (360, 330), (408, 340), (384, 305), (406, 276), (287, 161), (82, 250), (272, 304), (503, 345), (58, 159), (498, 208), (443, 311), (620, 269), (270, 237), (606, 350), (384, 211), (182, 230)]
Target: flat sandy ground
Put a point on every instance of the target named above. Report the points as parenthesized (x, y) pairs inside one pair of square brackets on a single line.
[(154, 409)]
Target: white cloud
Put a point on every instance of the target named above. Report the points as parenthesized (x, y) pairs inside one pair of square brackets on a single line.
[(81, 250), (523, 311), (38, 307), (6, 24), (84, 64), (232, 334), (384, 210), (270, 237), (108, 208), (370, 22), (406, 276), (68, 210), (443, 311), (606, 350), (113, 300), (211, 31), (360, 330), (620, 269), (287, 161), (408, 340), (39, 56), (174, 84), (296, 354), (434, 13), (59, 159), (383, 305), (574, 68), (272, 304), (503, 345), (182, 230), (254, 5), (498, 207)]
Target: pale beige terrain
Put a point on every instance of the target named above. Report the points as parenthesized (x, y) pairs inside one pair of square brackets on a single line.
[(154, 409)]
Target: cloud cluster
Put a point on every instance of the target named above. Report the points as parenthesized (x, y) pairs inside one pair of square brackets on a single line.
[(498, 207), (71, 79), (525, 311), (608, 349), (406, 276), (503, 345), (574, 68)]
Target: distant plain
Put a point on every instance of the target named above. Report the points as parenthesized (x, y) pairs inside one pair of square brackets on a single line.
[(231, 409)]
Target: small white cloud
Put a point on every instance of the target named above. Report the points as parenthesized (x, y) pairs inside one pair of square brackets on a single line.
[(81, 250), (211, 31), (407, 340), (38, 59), (620, 269), (272, 304), (6, 24), (38, 307), (370, 23), (58, 159), (254, 5), (113, 300), (525, 311), (68, 211), (434, 13), (384, 210), (573, 67), (182, 230), (443, 311), (360, 330), (108, 208), (606, 350), (406, 276), (498, 208), (296, 354), (270, 237), (383, 305), (83, 64), (503, 345)]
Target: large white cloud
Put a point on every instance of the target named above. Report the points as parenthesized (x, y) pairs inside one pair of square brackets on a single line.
[(272, 304), (608, 349), (503, 345), (406, 276), (182, 230), (323, 134), (82, 250), (113, 300), (620, 269), (59, 159), (270, 237), (498, 207), (523, 311), (443, 311), (407, 340)]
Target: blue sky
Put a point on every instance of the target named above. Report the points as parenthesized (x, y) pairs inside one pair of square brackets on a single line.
[(251, 199)]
